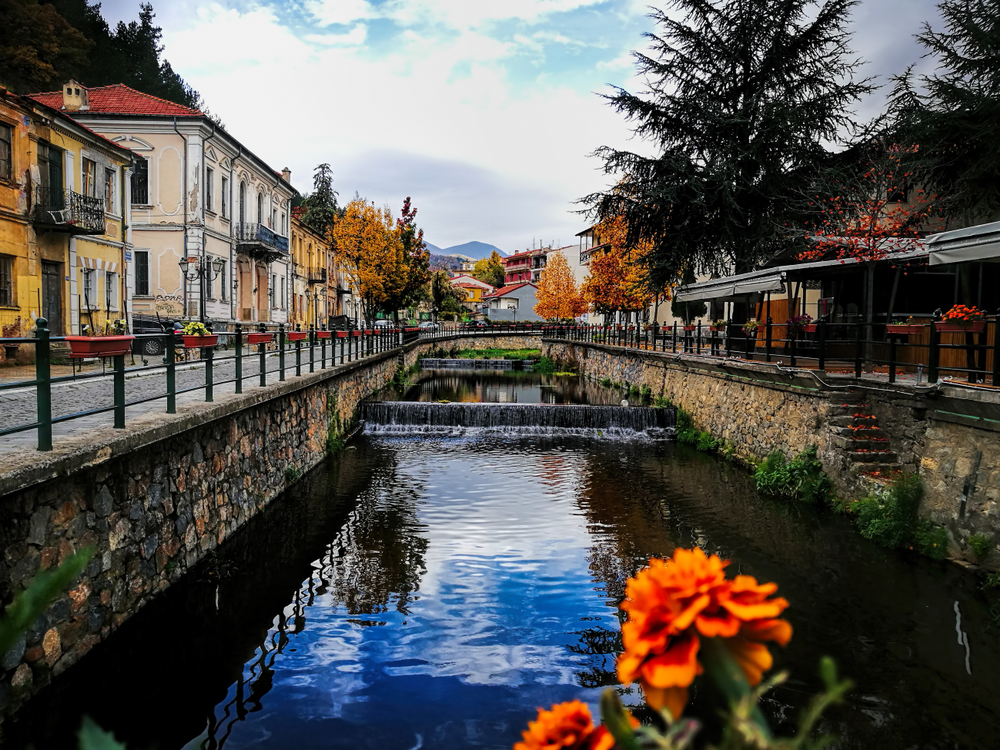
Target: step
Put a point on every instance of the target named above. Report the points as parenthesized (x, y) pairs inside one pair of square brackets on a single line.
[(859, 433), (885, 469), (845, 397), (854, 442), (849, 420), (878, 456)]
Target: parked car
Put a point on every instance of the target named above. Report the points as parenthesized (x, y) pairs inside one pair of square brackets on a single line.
[(384, 324), (429, 325), (144, 344), (341, 323)]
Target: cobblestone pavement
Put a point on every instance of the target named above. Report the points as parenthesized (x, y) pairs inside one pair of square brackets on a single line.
[(18, 406)]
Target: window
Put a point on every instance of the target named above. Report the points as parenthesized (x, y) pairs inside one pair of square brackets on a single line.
[(225, 197), (209, 183), (284, 227), (282, 292), (243, 202), (274, 219), (260, 208), (89, 178), (222, 282), (140, 182), (109, 190), (110, 291), (6, 152), (50, 172), (271, 291), (6, 281), (90, 288), (142, 273)]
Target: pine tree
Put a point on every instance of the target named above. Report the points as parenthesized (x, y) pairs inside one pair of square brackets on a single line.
[(321, 204), (950, 115), (742, 96)]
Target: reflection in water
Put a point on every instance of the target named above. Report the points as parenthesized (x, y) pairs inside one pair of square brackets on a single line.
[(502, 388), (434, 593)]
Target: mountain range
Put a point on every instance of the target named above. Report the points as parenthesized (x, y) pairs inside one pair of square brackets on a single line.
[(477, 250)]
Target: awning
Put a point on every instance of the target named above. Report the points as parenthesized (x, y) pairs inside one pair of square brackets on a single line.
[(774, 279), (978, 243)]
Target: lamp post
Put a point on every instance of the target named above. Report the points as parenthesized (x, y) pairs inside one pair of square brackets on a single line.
[(193, 268)]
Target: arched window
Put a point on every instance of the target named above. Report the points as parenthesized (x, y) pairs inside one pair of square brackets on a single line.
[(260, 208), (243, 202)]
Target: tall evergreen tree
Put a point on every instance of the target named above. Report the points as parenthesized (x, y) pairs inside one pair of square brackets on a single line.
[(742, 96), (39, 49), (949, 116), (321, 204)]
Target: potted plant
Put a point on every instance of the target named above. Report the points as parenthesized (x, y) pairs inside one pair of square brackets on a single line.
[(904, 328), (343, 334), (196, 336), (322, 334), (689, 327), (962, 319), (259, 337), (719, 325), (297, 335), (797, 324), (113, 342), (750, 327)]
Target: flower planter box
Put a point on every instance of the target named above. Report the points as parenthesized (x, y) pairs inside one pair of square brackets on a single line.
[(689, 329), (343, 334), (904, 328), (99, 346), (260, 338), (810, 327), (298, 335), (719, 329), (975, 326), (355, 333), (200, 342), (368, 332), (322, 334)]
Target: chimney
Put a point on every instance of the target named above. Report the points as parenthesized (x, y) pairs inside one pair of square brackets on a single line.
[(286, 175), (74, 97)]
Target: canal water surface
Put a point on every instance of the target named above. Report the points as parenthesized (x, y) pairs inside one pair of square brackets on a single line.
[(421, 592)]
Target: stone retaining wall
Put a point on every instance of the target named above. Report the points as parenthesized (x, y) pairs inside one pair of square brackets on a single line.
[(155, 498), (758, 409)]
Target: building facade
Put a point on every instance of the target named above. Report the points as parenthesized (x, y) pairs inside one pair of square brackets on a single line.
[(64, 222), (211, 220)]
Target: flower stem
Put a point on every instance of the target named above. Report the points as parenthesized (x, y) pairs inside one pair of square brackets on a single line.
[(727, 675)]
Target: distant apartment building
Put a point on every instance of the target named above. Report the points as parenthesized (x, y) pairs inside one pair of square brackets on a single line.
[(211, 220), (64, 221)]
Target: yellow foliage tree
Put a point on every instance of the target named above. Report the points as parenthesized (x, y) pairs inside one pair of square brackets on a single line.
[(557, 294), (370, 250), (618, 280), (491, 270)]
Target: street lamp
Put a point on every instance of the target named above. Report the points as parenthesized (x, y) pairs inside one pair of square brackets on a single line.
[(193, 268)]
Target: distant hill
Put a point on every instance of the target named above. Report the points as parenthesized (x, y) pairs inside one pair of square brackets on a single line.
[(477, 250), (434, 249)]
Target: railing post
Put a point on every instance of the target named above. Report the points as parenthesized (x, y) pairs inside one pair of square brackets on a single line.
[(119, 387), (322, 352), (209, 354), (821, 330), (281, 352), (262, 353), (729, 339), (892, 358), (767, 339), (697, 341), (298, 352), (673, 338), (43, 384), (312, 347), (171, 371), (996, 351), (859, 348), (934, 355), (793, 337), (239, 358)]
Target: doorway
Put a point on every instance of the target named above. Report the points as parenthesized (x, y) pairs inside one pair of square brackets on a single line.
[(52, 296)]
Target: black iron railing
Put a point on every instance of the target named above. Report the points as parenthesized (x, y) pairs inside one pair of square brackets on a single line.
[(317, 276), (65, 210), (258, 236)]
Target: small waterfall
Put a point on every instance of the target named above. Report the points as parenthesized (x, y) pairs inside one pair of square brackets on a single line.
[(475, 364), (407, 417)]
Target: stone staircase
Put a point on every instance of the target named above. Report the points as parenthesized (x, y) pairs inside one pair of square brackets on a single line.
[(856, 432)]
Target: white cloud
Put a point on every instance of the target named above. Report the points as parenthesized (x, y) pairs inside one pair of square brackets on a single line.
[(354, 37), (331, 12)]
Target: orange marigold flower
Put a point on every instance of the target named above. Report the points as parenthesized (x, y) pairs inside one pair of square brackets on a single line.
[(566, 725), (674, 603)]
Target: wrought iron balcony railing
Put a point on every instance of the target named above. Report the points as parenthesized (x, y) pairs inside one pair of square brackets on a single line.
[(317, 276), (259, 239), (61, 210)]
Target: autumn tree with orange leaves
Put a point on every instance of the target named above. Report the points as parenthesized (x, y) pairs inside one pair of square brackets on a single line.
[(618, 280), (557, 294), (866, 210), (371, 252)]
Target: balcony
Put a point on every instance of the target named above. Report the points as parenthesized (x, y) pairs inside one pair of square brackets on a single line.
[(60, 210), (260, 242), (317, 276)]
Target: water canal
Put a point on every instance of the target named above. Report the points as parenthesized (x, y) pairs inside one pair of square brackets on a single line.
[(424, 591)]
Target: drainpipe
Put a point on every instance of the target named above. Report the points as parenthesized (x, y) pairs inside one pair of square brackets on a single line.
[(232, 235), (184, 200)]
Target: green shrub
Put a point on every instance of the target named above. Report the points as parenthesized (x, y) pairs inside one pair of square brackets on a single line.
[(646, 391), (292, 474), (662, 402), (810, 482), (889, 517), (932, 540), (544, 366), (991, 581), (634, 391), (706, 442), (772, 476), (980, 544), (605, 382)]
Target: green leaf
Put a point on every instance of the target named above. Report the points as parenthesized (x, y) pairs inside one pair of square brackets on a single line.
[(92, 737), (31, 603), (615, 718)]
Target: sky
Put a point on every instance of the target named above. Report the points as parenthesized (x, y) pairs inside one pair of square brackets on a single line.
[(485, 112)]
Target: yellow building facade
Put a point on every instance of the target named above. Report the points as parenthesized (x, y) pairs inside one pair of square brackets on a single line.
[(63, 222)]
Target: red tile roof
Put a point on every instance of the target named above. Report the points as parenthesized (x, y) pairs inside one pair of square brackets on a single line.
[(119, 99), (504, 291)]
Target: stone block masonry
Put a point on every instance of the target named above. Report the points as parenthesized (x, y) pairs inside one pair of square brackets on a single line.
[(155, 498), (949, 436)]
